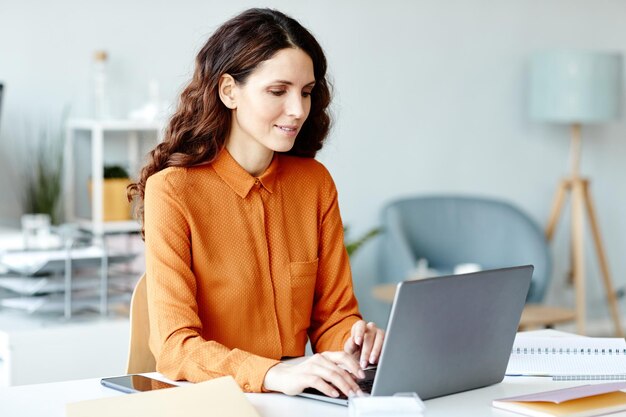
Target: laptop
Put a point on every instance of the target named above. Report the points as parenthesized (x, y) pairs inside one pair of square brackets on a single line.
[(448, 334)]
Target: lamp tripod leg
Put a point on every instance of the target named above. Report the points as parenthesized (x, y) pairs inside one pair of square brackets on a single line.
[(604, 265), (559, 199), (578, 253)]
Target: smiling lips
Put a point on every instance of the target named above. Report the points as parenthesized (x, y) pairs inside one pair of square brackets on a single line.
[(288, 129)]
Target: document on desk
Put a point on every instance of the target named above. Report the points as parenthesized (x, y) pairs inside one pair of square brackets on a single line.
[(584, 400), (569, 358), (217, 397)]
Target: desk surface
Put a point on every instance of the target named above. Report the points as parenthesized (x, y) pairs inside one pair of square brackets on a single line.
[(49, 399)]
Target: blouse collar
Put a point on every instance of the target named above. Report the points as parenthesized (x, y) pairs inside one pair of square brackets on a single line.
[(239, 179)]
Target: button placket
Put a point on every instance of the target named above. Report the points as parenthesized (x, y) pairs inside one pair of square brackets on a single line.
[(259, 203)]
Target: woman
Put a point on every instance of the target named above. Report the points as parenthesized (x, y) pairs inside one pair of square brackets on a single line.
[(244, 243)]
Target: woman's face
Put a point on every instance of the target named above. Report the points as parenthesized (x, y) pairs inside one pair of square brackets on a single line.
[(273, 103)]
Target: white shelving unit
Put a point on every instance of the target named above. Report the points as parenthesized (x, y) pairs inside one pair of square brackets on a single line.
[(98, 132)]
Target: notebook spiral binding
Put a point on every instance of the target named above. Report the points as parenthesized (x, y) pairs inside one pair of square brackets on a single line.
[(617, 377), (568, 351)]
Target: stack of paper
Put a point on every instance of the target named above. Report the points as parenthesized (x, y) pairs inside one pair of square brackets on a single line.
[(218, 397), (582, 401)]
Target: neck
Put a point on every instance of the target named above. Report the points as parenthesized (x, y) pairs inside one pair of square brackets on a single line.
[(254, 161)]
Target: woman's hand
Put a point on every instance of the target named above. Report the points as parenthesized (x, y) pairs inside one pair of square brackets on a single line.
[(327, 372), (365, 342)]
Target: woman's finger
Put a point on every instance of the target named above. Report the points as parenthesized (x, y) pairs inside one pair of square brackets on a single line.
[(337, 376), (350, 347), (345, 361), (378, 346), (368, 343), (358, 330), (317, 382)]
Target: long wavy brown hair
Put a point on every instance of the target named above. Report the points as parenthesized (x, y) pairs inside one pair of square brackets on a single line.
[(201, 123)]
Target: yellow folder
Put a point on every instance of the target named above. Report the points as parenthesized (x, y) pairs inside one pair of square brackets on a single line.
[(596, 405), (217, 397)]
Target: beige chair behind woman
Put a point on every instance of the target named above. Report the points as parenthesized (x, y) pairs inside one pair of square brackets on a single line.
[(140, 358)]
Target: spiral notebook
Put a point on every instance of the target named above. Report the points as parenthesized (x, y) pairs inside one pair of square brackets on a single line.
[(569, 358)]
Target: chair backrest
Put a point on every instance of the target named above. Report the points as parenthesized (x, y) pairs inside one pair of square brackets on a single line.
[(451, 230), (140, 358)]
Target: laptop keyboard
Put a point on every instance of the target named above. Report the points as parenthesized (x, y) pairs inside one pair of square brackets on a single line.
[(366, 384)]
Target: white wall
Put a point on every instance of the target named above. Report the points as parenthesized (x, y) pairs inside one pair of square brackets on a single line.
[(430, 94)]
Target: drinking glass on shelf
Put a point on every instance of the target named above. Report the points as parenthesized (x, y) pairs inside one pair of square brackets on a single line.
[(36, 230)]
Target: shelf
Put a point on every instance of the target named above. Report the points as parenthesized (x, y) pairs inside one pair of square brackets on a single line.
[(34, 262), (55, 303), (122, 125), (31, 286), (13, 239), (31, 272), (127, 226), (131, 139)]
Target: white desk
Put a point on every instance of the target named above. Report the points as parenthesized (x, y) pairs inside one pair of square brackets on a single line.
[(49, 399)]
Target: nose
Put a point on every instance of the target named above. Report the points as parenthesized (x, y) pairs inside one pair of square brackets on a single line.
[(297, 106)]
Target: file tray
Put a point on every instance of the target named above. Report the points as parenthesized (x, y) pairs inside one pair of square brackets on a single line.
[(45, 262)]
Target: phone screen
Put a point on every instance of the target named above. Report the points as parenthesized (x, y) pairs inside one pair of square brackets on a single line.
[(134, 383)]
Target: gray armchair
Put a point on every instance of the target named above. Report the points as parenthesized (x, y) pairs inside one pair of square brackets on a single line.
[(451, 230)]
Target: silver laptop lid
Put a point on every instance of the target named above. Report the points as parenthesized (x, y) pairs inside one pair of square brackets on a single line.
[(453, 333)]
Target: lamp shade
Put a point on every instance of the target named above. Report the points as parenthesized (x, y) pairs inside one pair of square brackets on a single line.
[(571, 86)]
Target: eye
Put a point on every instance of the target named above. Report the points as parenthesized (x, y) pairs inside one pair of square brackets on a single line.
[(277, 92), (306, 94)]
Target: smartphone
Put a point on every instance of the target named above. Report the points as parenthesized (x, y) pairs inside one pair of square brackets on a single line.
[(134, 383)]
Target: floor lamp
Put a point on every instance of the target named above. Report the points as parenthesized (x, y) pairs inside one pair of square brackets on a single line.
[(577, 88)]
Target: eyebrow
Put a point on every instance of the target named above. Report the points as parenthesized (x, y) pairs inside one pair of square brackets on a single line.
[(312, 83)]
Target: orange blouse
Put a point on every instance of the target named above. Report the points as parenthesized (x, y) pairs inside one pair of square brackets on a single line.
[(241, 271)]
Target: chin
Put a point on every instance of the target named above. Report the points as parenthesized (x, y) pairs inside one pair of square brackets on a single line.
[(283, 147)]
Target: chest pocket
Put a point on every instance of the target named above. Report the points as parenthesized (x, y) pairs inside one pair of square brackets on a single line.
[(303, 277)]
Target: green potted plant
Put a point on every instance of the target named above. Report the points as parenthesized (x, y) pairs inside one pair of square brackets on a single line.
[(353, 245), (43, 174)]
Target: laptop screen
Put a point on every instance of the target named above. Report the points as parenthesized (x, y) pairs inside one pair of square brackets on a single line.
[(1, 88)]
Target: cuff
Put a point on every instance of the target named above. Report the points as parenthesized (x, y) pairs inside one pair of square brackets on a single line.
[(252, 372), (335, 338)]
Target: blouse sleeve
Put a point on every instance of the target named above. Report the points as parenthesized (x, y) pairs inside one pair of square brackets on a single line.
[(335, 307), (175, 327)]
